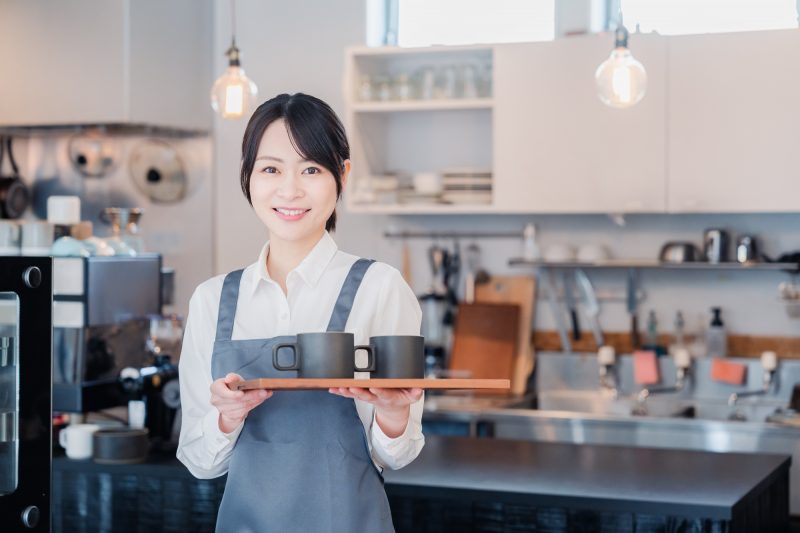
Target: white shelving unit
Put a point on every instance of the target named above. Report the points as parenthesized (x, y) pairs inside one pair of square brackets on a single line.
[(423, 105), (403, 137)]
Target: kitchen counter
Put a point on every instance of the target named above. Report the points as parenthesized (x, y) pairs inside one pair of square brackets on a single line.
[(460, 482), (604, 478)]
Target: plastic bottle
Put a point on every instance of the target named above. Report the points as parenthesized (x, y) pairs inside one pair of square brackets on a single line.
[(679, 338), (716, 337), (530, 248), (651, 336)]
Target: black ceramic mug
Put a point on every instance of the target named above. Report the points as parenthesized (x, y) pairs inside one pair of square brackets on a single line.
[(328, 354), (397, 356)]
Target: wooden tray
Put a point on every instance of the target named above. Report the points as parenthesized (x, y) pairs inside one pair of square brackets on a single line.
[(308, 384)]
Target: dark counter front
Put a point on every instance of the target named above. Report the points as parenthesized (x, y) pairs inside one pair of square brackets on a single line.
[(463, 484), (573, 487)]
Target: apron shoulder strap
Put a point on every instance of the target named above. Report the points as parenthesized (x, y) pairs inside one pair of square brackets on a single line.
[(344, 304), (227, 305)]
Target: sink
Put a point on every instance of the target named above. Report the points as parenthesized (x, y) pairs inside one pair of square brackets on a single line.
[(671, 405), (600, 402), (750, 411)]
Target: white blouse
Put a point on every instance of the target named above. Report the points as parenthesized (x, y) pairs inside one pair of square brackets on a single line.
[(384, 305)]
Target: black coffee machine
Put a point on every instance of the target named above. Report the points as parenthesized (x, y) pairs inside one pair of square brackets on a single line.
[(156, 385), (108, 335)]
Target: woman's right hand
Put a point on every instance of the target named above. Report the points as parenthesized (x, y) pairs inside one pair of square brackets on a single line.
[(233, 405)]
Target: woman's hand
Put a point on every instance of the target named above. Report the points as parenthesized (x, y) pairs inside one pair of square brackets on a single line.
[(392, 406), (233, 405)]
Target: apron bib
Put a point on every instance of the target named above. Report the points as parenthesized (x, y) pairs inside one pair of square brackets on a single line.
[(302, 461)]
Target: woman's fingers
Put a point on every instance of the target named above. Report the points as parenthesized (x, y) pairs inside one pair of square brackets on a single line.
[(220, 387), (235, 404), (413, 394), (379, 395)]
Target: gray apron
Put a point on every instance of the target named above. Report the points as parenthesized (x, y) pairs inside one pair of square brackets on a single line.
[(302, 462)]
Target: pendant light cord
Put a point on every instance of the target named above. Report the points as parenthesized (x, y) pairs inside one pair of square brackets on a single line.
[(233, 22)]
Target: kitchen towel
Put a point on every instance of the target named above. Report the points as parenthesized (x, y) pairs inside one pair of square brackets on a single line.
[(728, 371), (645, 367)]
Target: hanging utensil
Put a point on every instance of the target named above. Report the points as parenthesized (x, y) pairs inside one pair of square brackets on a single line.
[(591, 306), (546, 276), (631, 297), (471, 259), (406, 263), (453, 274), (14, 195), (437, 257), (569, 300)]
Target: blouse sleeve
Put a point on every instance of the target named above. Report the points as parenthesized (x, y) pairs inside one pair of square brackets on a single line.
[(202, 446), (398, 313)]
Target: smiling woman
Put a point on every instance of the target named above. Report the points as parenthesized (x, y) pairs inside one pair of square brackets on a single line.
[(289, 138), (317, 454)]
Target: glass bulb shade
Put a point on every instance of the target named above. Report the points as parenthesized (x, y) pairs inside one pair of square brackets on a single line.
[(621, 80), (233, 94)]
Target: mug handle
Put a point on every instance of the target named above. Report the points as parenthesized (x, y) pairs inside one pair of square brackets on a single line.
[(62, 438), (370, 358), (294, 366)]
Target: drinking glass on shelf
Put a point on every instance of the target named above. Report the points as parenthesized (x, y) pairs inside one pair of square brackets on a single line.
[(446, 83), (485, 80), (425, 79), (365, 91), (401, 87), (383, 88), (468, 81)]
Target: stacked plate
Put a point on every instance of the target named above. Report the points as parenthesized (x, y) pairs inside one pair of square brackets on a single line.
[(467, 186)]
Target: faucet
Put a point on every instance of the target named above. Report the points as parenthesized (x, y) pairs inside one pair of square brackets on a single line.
[(769, 363), (683, 363), (605, 359)]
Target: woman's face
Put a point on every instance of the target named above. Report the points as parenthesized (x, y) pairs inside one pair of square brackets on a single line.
[(293, 197)]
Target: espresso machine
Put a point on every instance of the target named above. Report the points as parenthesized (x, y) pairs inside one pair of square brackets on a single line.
[(105, 352), (100, 307)]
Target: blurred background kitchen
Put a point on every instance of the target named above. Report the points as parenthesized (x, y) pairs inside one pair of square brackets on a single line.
[(596, 199)]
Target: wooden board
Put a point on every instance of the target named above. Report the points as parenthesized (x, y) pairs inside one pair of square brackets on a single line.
[(520, 290), (308, 383), (485, 340)]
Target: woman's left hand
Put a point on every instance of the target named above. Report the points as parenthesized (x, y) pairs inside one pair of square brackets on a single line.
[(392, 406), (379, 397)]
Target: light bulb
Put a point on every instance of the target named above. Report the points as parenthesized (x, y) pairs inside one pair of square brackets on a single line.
[(233, 94), (621, 80)]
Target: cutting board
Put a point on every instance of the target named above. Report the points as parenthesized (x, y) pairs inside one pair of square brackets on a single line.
[(310, 383), (519, 290), (485, 340)]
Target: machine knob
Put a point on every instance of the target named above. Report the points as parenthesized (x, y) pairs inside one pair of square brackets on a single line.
[(31, 515), (32, 277)]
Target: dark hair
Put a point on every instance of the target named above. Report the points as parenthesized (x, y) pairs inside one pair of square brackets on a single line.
[(314, 130)]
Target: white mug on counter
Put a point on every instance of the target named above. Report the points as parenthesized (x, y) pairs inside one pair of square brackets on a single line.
[(76, 439), (9, 237), (37, 238)]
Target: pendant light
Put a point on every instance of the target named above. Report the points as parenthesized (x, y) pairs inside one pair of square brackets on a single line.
[(233, 94), (621, 80)]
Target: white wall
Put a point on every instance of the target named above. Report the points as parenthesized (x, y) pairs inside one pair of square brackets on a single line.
[(286, 47), (299, 46)]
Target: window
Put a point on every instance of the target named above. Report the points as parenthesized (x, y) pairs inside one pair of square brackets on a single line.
[(675, 17), (427, 22)]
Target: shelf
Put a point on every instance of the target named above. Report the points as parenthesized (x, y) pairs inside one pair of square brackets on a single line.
[(646, 264), (384, 51), (422, 209), (423, 105)]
